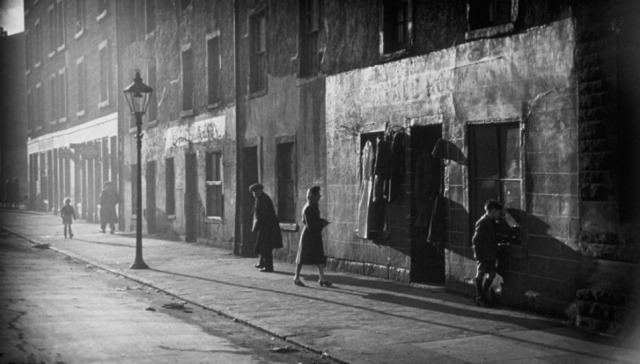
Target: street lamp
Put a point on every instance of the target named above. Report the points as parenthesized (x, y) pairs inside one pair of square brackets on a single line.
[(138, 95)]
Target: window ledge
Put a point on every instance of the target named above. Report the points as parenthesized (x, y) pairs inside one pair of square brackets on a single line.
[(386, 57), (62, 120), (171, 217), (61, 48), (214, 105), (214, 220), (490, 31), (51, 54), (289, 226), (259, 93), (149, 35), (103, 104), (37, 65), (80, 113), (303, 80), (28, 71), (152, 124), (186, 113), (79, 34), (101, 15)]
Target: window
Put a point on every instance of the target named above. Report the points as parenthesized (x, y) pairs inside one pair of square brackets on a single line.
[(309, 37), (286, 188), (487, 13), (30, 106), (105, 70), (60, 26), (170, 186), (27, 45), (39, 106), (152, 109), (53, 32), (38, 43), (396, 25), (150, 15), (491, 17), (80, 15), (496, 168), (62, 95), (82, 86), (53, 90), (187, 79), (103, 6), (258, 61), (213, 70), (215, 196)]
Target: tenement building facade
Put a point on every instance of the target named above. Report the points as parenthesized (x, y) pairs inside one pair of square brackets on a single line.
[(409, 114)]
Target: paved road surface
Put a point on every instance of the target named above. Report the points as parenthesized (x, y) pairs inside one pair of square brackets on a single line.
[(57, 310)]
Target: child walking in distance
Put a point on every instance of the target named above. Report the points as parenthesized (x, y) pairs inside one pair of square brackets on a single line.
[(68, 215), (485, 250)]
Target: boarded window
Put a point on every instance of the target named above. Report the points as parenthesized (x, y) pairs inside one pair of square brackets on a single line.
[(170, 186), (213, 70), (396, 25), (286, 187), (310, 21), (215, 196), (496, 172), (258, 62)]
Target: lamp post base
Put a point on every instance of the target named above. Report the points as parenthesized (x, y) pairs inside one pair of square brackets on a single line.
[(139, 265)]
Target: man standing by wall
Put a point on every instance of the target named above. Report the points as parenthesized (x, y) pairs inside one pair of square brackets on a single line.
[(266, 227)]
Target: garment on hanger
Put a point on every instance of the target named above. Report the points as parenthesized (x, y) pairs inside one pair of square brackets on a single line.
[(397, 169), (381, 170), (366, 188)]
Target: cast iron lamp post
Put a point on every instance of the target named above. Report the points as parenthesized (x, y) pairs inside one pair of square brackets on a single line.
[(138, 95)]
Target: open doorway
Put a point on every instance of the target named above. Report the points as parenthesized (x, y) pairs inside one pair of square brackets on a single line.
[(191, 198), (249, 177), (427, 259)]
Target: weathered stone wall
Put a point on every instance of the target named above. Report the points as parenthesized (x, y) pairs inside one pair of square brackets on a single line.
[(527, 77), (209, 128)]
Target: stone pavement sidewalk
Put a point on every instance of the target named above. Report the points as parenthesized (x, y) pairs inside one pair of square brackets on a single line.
[(359, 320)]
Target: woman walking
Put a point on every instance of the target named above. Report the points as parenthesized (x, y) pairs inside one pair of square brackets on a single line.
[(310, 249)]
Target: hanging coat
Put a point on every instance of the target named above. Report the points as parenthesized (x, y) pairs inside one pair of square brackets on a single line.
[(366, 188)]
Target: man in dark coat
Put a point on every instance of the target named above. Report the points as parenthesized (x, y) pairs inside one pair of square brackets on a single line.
[(266, 227), (485, 250), (109, 198)]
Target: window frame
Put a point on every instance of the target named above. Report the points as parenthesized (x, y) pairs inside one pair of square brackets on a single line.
[(214, 181), (63, 96), (170, 185), (258, 52), (188, 80), (476, 207), (214, 70), (391, 48), (310, 52), (61, 26), (105, 74), (81, 73), (81, 12), (488, 29), (286, 184)]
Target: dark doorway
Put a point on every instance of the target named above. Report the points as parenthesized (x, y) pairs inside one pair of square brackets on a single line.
[(151, 197), (427, 260), (191, 198), (250, 176)]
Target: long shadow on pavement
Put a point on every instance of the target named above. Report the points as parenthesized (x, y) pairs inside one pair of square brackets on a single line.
[(105, 243), (525, 323)]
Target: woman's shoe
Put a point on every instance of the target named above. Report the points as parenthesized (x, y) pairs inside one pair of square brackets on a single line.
[(298, 282), (325, 283)]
